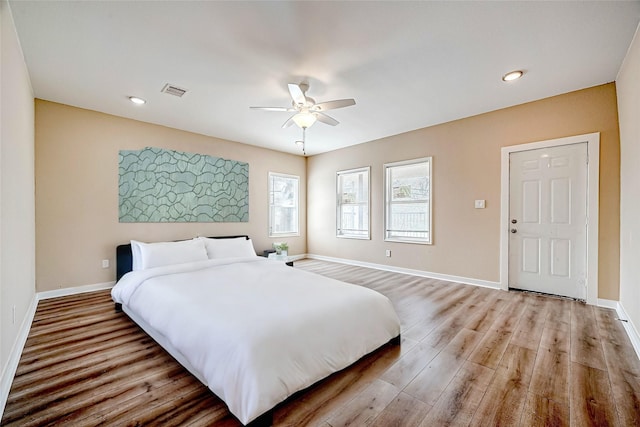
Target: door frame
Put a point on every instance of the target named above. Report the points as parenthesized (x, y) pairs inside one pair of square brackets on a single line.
[(593, 192)]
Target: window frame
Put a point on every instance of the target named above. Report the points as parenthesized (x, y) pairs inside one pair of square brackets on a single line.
[(339, 232), (387, 168), (272, 205)]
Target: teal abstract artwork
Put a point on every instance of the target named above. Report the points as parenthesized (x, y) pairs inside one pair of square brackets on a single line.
[(157, 185)]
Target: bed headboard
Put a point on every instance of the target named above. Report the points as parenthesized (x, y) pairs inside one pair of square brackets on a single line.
[(124, 258)]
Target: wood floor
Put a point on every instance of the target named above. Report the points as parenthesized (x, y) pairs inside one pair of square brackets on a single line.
[(469, 356)]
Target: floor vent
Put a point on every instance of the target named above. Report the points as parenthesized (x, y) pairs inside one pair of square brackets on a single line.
[(173, 90)]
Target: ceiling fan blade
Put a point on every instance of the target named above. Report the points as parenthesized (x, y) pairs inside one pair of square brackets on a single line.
[(273, 108), (289, 122), (296, 94), (332, 105), (326, 119)]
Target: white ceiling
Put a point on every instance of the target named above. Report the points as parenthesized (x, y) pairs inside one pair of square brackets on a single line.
[(408, 65)]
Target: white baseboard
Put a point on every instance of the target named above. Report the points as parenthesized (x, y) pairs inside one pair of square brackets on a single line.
[(412, 272), (631, 329), (14, 356), (16, 351), (73, 291), (607, 303)]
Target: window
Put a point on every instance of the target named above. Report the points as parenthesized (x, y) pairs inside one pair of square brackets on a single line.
[(283, 205), (408, 201), (353, 204)]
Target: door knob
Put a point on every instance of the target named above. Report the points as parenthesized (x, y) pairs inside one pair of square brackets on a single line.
[(514, 221), (513, 230)]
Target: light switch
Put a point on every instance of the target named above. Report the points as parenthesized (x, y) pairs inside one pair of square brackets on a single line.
[(479, 204), (105, 263)]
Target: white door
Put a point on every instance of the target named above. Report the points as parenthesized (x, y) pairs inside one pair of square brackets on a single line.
[(548, 220)]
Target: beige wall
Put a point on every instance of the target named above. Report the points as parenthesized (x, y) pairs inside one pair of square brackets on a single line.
[(77, 201), (466, 166), (17, 223), (77, 192), (628, 85)]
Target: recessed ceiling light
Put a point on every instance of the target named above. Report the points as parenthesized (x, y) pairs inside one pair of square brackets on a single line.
[(136, 100), (513, 75)]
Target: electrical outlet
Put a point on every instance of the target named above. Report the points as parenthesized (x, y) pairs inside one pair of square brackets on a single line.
[(105, 263), (388, 252), (479, 204)]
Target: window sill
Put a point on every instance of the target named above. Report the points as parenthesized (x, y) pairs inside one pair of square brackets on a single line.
[(284, 235), (353, 237), (415, 242)]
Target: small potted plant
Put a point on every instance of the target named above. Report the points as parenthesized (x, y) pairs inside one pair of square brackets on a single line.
[(281, 248)]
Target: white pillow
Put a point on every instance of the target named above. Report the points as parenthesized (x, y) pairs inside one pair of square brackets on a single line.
[(150, 255), (238, 247), (136, 255)]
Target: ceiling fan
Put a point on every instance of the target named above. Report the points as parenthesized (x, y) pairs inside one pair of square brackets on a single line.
[(307, 111)]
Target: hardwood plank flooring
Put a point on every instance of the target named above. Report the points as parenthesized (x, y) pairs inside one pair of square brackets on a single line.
[(469, 356), (459, 401), (623, 372), (504, 399), (585, 334), (403, 411), (591, 397), (542, 412)]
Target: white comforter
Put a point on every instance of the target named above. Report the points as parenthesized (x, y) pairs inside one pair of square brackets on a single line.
[(256, 330)]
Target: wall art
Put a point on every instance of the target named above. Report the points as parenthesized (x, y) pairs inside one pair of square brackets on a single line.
[(158, 185)]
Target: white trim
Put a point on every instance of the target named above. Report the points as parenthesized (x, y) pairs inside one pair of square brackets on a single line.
[(412, 272), (16, 352), (607, 303), (339, 203), (269, 205), (386, 168), (593, 185), (632, 332), (75, 290)]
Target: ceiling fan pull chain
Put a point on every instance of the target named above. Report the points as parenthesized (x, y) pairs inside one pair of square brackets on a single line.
[(304, 141)]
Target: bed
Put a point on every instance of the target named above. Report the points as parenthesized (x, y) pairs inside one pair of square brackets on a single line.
[(253, 330)]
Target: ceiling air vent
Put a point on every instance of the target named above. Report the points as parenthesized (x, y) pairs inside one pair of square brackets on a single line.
[(173, 90)]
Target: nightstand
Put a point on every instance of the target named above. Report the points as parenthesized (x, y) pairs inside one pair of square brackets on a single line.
[(288, 260)]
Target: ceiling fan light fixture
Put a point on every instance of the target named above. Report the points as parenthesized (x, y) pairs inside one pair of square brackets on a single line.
[(304, 120), (308, 112), (512, 75)]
